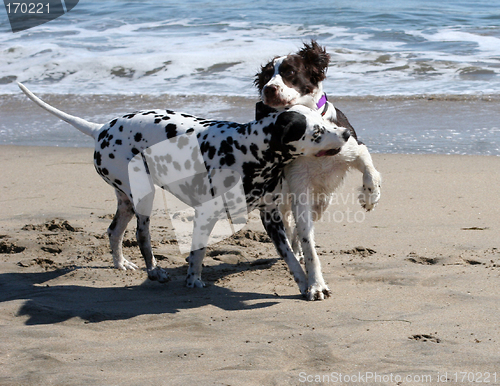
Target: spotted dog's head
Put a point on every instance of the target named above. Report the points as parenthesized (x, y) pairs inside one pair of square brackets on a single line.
[(294, 79), (302, 131)]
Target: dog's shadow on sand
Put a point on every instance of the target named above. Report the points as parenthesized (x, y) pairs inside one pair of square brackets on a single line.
[(53, 303)]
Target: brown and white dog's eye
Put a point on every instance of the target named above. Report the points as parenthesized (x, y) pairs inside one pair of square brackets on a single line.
[(266, 77)]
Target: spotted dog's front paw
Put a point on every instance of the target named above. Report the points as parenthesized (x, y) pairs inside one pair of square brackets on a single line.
[(318, 292), (370, 192), (193, 281), (158, 274)]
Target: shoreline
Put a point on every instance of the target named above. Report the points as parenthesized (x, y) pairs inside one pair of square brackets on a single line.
[(415, 125)]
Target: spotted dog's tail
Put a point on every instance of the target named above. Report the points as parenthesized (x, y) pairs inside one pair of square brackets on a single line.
[(84, 126)]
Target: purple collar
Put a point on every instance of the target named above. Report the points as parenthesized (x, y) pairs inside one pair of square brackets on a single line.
[(322, 102)]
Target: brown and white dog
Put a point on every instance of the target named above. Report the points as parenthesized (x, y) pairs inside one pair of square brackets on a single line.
[(296, 79)]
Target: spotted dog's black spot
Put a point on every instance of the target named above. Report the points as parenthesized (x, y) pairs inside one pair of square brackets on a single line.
[(241, 148), (318, 133), (138, 137), (112, 226), (104, 144), (129, 116), (254, 149), (171, 130), (97, 158), (102, 135), (118, 141), (225, 147), (208, 149), (230, 159), (134, 151), (111, 155), (242, 129), (113, 122)]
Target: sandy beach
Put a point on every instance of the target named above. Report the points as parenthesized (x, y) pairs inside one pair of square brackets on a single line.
[(415, 286)]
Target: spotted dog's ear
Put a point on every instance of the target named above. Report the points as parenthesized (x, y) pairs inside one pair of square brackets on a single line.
[(262, 110), (316, 60), (292, 126)]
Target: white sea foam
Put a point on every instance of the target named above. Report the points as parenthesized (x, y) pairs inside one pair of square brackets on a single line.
[(120, 52)]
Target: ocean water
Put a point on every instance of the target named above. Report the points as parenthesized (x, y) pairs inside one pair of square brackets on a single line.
[(213, 49)]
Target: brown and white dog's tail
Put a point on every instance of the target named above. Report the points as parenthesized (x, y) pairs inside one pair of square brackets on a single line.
[(84, 126)]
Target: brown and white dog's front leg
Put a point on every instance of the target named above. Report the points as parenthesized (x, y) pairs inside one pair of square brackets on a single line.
[(272, 220), (372, 180), (361, 160)]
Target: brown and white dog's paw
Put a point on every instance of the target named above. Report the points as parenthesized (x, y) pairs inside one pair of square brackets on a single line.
[(370, 192)]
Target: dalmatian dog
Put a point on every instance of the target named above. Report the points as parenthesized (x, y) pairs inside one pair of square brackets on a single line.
[(296, 79), (131, 154)]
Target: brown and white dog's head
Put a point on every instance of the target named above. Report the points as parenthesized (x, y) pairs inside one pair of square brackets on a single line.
[(294, 79)]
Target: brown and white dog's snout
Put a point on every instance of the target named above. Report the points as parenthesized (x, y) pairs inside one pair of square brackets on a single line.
[(270, 95), (273, 95)]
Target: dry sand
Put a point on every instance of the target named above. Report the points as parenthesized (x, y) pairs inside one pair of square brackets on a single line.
[(416, 286)]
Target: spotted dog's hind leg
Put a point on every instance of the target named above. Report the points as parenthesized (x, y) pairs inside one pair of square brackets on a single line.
[(116, 230), (155, 273), (285, 207), (317, 288), (273, 223)]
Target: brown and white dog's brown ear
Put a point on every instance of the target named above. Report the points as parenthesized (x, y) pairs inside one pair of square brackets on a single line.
[(316, 60), (264, 75)]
